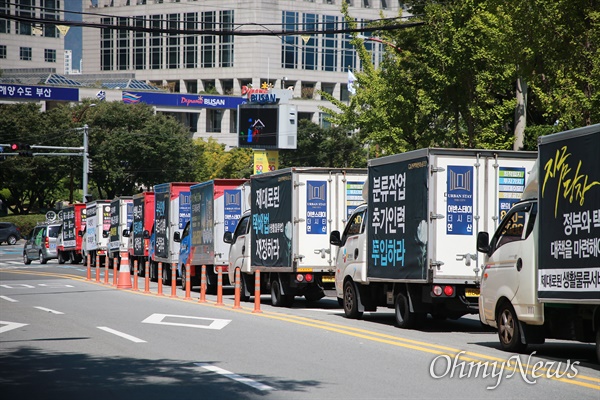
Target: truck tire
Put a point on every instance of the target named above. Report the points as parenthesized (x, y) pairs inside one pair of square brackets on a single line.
[(350, 300), (166, 276), (278, 299), (243, 296), (61, 258), (404, 317), (598, 344), (509, 331), (183, 278)]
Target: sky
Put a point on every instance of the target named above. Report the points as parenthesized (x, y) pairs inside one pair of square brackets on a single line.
[(73, 39)]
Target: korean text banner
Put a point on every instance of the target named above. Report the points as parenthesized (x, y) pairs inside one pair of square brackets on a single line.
[(161, 213), (569, 212), (138, 226), (397, 220), (203, 221), (272, 225)]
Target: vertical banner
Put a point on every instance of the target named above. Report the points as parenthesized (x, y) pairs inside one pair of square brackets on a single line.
[(272, 227), (106, 221), (92, 226), (265, 161), (185, 209), (397, 224), (161, 212), (354, 196), (138, 226), (69, 225), (316, 207), (232, 208), (569, 219), (459, 217), (203, 221), (115, 210), (511, 184)]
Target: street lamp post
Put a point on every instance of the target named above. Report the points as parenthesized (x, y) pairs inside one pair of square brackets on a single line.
[(85, 163)]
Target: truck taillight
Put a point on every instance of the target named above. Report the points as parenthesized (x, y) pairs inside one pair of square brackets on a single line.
[(437, 290), (47, 242), (304, 278), (449, 290)]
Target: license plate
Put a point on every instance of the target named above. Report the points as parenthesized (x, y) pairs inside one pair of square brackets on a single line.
[(470, 292), (328, 279)]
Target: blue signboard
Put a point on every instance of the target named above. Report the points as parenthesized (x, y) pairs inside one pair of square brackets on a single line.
[(39, 92), (511, 183), (459, 217), (232, 208), (316, 207), (354, 196), (183, 100), (185, 208)]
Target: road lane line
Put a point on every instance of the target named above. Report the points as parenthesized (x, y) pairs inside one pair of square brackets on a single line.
[(49, 310), (235, 377), (9, 326), (9, 299), (121, 334)]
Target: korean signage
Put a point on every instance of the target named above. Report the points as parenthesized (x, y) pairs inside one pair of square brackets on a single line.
[(316, 207), (511, 183), (183, 100), (232, 200), (272, 226), (354, 196), (569, 213), (39, 92), (161, 217), (203, 221), (459, 216), (69, 228), (397, 221), (265, 161), (137, 231), (185, 209)]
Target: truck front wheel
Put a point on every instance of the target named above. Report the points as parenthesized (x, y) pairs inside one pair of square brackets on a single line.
[(350, 300), (279, 299), (508, 329), (61, 258)]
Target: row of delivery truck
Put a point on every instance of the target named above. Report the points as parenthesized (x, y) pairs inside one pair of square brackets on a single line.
[(409, 232)]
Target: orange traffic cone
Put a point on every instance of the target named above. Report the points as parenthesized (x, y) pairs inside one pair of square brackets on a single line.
[(124, 281)]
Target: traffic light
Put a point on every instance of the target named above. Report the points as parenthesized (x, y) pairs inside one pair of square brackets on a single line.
[(23, 149), (15, 146)]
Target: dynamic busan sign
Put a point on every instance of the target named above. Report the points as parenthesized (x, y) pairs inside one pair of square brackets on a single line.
[(263, 98)]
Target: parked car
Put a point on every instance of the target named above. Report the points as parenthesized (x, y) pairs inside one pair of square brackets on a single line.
[(9, 233), (41, 243)]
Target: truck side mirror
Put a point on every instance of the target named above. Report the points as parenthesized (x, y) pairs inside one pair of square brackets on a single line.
[(483, 242), (145, 234), (335, 238), (177, 237), (80, 233), (125, 232), (228, 237), (104, 234)]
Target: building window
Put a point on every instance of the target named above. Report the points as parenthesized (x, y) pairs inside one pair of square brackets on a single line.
[(289, 44), (4, 23), (323, 123), (2, 51), (348, 52), (25, 53), (226, 45), (190, 52), (233, 121), (106, 46), (310, 50), (173, 42), (123, 44), (139, 44), (155, 42), (213, 120), (208, 41), (50, 9), (384, 5), (366, 4), (329, 61), (50, 55), (24, 8)]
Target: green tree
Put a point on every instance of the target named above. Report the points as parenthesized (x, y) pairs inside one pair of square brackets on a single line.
[(212, 161)]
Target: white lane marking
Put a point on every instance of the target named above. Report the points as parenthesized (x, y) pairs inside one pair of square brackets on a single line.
[(9, 326), (9, 299), (235, 377), (18, 286), (55, 285), (214, 322), (49, 310), (121, 334)]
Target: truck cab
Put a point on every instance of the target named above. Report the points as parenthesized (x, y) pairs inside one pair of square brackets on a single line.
[(239, 257)]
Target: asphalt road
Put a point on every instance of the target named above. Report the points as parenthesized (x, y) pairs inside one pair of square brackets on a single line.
[(62, 336)]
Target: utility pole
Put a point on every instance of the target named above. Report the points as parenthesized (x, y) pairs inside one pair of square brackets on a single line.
[(85, 162)]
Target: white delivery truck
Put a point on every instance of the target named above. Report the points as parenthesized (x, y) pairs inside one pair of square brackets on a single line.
[(95, 237), (216, 207), (542, 272), (284, 234), (121, 217), (412, 246), (172, 209)]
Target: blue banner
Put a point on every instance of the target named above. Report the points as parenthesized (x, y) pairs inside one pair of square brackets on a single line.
[(459, 217), (316, 207), (185, 208), (232, 208), (511, 183), (39, 92), (183, 100)]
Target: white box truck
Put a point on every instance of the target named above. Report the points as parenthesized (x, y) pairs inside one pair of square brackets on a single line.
[(96, 235), (412, 246), (172, 209), (284, 234), (121, 217), (216, 207), (542, 271)]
